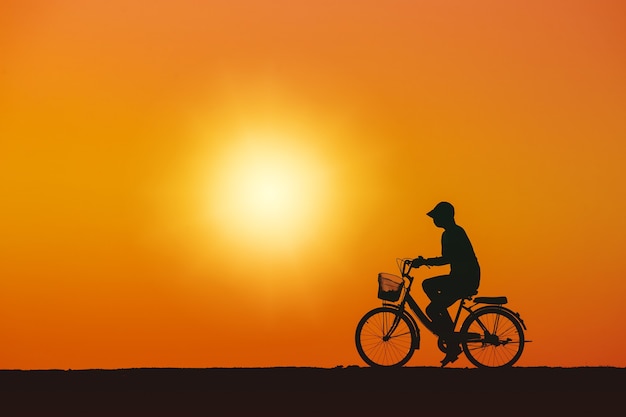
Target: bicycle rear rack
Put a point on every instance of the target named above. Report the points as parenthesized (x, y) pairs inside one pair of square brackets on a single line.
[(491, 300)]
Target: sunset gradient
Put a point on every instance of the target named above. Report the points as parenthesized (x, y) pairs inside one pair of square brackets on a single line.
[(218, 183)]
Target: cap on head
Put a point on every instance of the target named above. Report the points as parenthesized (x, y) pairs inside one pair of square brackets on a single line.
[(442, 210)]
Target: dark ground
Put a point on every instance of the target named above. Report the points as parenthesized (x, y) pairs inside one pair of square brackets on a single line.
[(350, 391)]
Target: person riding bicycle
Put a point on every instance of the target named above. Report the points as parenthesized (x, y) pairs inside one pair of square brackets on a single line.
[(462, 281)]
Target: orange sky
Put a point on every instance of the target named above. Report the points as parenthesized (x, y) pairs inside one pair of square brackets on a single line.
[(217, 184)]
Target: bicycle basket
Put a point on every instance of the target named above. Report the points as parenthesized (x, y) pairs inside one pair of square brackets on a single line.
[(389, 287)]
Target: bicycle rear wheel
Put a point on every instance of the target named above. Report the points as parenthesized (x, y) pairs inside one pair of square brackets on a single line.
[(494, 338), (385, 337)]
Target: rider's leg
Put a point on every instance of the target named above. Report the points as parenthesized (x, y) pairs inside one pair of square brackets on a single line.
[(453, 347), (445, 296), (437, 311), (444, 326), (440, 291), (433, 286), (444, 291)]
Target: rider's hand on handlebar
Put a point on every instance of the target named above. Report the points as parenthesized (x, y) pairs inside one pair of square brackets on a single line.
[(417, 262)]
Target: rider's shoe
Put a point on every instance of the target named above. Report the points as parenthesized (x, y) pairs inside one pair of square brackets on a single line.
[(452, 355), (449, 358)]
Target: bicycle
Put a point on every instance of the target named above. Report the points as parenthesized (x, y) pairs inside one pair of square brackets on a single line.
[(491, 336)]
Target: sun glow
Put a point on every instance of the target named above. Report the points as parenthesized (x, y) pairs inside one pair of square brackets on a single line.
[(268, 193)]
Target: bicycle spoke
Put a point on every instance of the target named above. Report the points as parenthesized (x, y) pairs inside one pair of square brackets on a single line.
[(501, 339), (385, 338)]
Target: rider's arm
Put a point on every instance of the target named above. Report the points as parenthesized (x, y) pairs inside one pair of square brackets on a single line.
[(438, 261)]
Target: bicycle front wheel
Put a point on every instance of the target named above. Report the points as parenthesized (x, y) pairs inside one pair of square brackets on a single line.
[(494, 338), (385, 337)]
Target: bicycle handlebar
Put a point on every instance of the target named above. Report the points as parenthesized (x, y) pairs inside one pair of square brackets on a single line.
[(407, 265)]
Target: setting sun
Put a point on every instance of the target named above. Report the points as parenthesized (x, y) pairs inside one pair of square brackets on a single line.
[(267, 193)]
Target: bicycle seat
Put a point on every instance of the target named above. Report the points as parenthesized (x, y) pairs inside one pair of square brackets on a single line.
[(491, 300)]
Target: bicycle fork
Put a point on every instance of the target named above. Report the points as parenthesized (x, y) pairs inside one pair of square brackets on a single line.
[(413, 327), (393, 327)]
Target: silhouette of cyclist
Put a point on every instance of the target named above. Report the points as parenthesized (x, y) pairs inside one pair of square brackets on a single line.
[(462, 281)]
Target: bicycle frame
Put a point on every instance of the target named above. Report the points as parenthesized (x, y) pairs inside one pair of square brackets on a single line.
[(423, 318)]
